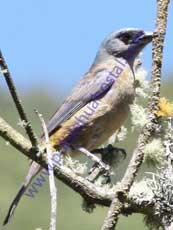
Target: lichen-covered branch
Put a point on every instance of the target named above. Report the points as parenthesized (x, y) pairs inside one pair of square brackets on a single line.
[(137, 157), (79, 184)]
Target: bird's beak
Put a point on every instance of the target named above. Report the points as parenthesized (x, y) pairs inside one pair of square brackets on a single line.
[(146, 37)]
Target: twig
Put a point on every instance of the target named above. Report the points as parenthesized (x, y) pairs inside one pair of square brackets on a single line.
[(137, 157), (17, 101), (94, 159), (52, 186)]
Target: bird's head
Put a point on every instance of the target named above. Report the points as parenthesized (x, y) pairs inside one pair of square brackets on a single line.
[(125, 43)]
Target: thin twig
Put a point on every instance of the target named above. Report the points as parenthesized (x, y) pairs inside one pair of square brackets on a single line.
[(52, 186), (94, 159), (137, 157), (5, 71)]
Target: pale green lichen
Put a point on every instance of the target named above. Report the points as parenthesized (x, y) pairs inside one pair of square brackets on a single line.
[(140, 192), (76, 166), (122, 134), (142, 87), (22, 123), (139, 116), (161, 184), (154, 153)]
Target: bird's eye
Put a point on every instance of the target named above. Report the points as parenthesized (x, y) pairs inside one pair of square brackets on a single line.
[(126, 38)]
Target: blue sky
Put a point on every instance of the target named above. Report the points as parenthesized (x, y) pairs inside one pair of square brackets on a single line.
[(53, 43)]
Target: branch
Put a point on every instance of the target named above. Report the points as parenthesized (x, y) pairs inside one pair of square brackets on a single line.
[(79, 184), (137, 157), (52, 186), (17, 101)]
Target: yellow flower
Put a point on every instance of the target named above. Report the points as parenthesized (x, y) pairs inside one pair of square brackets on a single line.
[(165, 108)]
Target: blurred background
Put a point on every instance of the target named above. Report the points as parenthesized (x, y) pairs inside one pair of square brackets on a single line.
[(48, 46)]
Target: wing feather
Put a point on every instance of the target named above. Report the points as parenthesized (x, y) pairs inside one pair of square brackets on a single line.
[(88, 89)]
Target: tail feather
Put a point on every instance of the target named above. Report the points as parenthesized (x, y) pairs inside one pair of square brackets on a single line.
[(14, 204), (33, 171)]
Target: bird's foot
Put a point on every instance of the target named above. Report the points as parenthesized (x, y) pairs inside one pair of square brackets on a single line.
[(111, 155)]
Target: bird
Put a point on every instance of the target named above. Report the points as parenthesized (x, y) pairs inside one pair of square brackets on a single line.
[(99, 103)]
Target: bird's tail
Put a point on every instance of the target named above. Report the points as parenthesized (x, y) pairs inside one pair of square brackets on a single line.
[(33, 171)]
